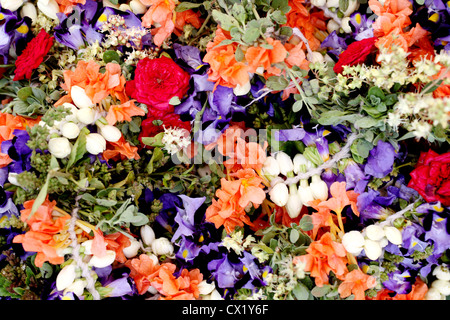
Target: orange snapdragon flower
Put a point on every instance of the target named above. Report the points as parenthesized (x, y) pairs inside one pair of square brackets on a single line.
[(311, 24), (323, 256), (97, 85), (9, 123), (123, 112), (165, 20), (391, 23), (340, 198), (233, 197), (224, 69), (143, 271), (120, 149), (356, 282), (66, 6), (263, 57), (47, 232), (185, 287)]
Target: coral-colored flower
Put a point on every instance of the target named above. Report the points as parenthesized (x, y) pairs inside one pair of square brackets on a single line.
[(323, 256), (263, 57), (184, 287), (356, 282), (143, 271), (186, 17), (33, 55), (123, 112), (340, 198), (9, 123), (117, 242), (45, 235), (159, 14), (66, 6), (224, 69), (96, 84), (120, 149)]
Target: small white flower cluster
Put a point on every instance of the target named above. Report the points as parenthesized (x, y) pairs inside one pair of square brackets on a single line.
[(235, 241), (175, 139), (118, 33), (440, 288), (296, 196), (372, 240), (83, 113), (420, 113)]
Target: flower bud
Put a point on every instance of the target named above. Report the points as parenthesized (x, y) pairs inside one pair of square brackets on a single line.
[(66, 277), (294, 204), (434, 294), (284, 162), (73, 116), (147, 235), (332, 3), (110, 133), (318, 3), (374, 232), (86, 116), (442, 286), (372, 249), (137, 7), (332, 26), (242, 90), (353, 5), (442, 272), (102, 262), (204, 171), (315, 57), (205, 288), (49, 7), (29, 10), (319, 188), (279, 194), (132, 250), (95, 143), (11, 5), (124, 7), (353, 242), (305, 193), (59, 147), (77, 287), (87, 246), (80, 98), (393, 235), (301, 164), (107, 3), (162, 246), (345, 25), (271, 167), (70, 130)]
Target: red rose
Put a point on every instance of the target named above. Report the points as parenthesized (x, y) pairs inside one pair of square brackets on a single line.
[(157, 81), (431, 177), (33, 55), (355, 53), (169, 120)]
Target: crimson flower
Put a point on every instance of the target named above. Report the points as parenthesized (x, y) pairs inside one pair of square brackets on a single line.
[(355, 53)]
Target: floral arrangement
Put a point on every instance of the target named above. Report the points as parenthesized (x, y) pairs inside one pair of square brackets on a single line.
[(222, 149)]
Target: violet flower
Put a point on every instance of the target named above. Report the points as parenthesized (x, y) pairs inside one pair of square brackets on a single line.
[(14, 33), (185, 217), (399, 282), (381, 160)]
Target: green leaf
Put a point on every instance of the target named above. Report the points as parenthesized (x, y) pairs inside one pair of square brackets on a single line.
[(38, 94), (366, 122), (301, 292), (106, 202), (277, 83), (155, 141), (320, 291), (225, 21), (183, 6), (251, 35), (331, 117), (24, 93), (78, 149), (157, 155), (279, 17), (306, 223), (297, 106), (41, 196), (294, 235), (110, 56), (343, 5)]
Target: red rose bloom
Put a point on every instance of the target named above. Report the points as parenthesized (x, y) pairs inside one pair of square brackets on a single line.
[(169, 120), (355, 53), (431, 177), (157, 81), (33, 55)]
